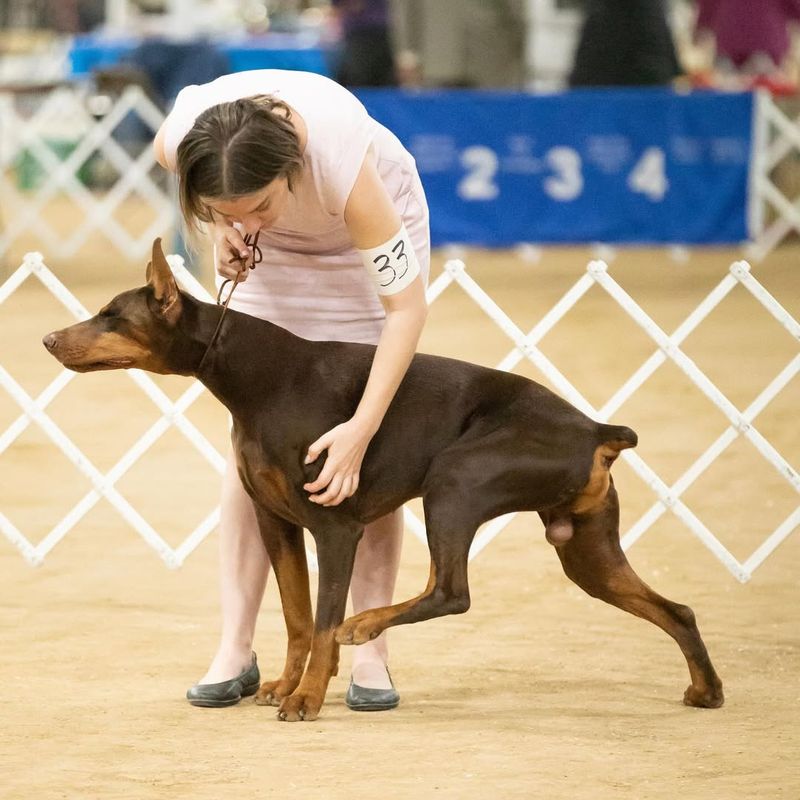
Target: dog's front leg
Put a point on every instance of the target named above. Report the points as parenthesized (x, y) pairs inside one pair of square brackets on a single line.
[(336, 550), (286, 550)]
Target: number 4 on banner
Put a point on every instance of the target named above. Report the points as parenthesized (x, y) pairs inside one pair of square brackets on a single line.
[(649, 177)]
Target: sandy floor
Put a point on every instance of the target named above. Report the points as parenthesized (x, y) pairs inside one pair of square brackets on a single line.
[(539, 691)]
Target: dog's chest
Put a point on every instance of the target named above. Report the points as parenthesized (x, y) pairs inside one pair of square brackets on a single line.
[(274, 491)]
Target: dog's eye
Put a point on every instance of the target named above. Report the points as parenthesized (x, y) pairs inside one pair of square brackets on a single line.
[(107, 312)]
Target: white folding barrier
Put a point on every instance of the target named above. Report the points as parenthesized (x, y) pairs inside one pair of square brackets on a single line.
[(668, 347), (777, 141), (34, 410), (65, 118)]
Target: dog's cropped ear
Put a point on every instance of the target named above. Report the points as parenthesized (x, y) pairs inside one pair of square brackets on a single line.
[(165, 288)]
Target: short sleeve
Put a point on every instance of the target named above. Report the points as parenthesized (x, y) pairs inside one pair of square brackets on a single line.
[(188, 106), (349, 131)]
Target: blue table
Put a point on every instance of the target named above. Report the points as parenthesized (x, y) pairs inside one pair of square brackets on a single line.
[(270, 51)]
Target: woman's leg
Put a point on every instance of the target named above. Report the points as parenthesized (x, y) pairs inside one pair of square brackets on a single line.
[(372, 586), (243, 569)]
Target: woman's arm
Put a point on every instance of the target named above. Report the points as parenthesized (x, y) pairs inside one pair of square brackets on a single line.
[(371, 220)]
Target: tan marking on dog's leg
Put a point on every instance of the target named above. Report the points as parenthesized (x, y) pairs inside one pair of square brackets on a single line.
[(370, 624), (336, 551), (594, 560), (299, 625), (286, 548), (305, 702)]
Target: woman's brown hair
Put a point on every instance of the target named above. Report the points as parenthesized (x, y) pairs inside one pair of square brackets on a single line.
[(235, 149)]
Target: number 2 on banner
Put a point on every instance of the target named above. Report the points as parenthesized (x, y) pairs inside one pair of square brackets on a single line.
[(649, 176), (478, 183)]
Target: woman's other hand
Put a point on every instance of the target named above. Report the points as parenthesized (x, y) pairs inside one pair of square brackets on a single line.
[(232, 255)]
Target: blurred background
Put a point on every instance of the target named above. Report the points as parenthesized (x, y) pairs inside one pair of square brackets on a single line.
[(84, 84), (661, 136), (482, 43)]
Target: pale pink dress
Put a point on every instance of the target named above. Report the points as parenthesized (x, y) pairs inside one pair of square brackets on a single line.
[(312, 281)]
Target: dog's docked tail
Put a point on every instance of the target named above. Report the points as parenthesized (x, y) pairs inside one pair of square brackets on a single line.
[(619, 436), (614, 439), (611, 440)]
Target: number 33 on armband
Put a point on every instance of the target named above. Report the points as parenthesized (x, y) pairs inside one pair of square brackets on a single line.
[(392, 265), (384, 264)]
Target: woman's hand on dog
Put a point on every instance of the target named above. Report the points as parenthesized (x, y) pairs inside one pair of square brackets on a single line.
[(346, 445)]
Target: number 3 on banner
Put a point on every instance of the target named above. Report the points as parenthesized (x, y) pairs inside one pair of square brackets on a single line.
[(567, 183), (649, 177)]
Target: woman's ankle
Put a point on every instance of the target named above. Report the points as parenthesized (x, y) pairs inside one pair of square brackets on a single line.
[(371, 675), (229, 661)]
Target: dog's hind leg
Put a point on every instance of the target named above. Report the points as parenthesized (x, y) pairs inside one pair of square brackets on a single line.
[(286, 550), (451, 525), (336, 550), (593, 559)]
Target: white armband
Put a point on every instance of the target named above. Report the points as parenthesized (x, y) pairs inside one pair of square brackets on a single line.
[(392, 265)]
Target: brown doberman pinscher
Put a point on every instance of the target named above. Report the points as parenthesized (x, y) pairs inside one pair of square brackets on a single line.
[(473, 442)]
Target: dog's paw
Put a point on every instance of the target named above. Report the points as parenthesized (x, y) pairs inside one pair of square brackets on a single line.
[(299, 707), (357, 630), (711, 697), (272, 693)]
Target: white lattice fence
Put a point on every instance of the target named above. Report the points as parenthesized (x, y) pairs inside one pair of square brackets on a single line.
[(777, 141), (64, 118), (525, 345), (34, 410)]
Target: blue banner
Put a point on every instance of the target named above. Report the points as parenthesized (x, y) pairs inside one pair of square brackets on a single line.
[(616, 166)]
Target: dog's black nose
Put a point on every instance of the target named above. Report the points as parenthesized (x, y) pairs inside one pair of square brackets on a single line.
[(49, 341)]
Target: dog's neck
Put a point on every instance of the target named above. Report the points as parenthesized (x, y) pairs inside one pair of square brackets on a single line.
[(248, 357)]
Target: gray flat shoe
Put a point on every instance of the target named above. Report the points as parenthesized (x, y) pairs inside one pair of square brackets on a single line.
[(226, 693), (360, 698)]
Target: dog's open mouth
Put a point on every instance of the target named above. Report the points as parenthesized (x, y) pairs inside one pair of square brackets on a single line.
[(93, 366)]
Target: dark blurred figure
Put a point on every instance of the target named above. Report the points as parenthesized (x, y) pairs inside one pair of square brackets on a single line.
[(748, 36), (367, 58), (25, 14), (91, 14), (625, 43), (75, 16)]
